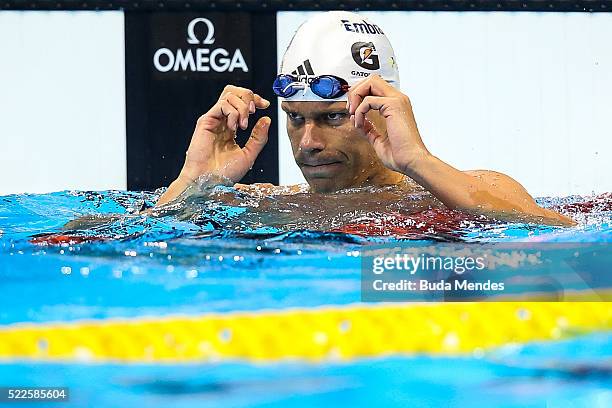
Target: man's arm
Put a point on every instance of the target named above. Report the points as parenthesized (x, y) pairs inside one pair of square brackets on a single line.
[(174, 190), (482, 192), (401, 148)]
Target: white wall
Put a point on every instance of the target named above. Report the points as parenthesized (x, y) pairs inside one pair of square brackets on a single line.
[(527, 94), (62, 101)]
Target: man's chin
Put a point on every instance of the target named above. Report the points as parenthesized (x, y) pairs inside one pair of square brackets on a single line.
[(324, 185), (324, 178)]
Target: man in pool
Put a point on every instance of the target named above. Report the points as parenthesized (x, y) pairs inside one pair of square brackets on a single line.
[(349, 126)]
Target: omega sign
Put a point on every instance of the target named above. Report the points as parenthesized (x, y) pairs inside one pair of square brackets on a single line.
[(202, 58)]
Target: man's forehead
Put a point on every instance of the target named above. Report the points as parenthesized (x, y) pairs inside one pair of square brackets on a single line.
[(311, 107)]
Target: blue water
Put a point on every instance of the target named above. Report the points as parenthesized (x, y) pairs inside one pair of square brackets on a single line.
[(218, 257), (528, 376)]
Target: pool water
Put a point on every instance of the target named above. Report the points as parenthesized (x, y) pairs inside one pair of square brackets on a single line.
[(90, 256), (536, 375)]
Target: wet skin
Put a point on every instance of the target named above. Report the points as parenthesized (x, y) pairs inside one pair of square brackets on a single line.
[(372, 139), (331, 152)]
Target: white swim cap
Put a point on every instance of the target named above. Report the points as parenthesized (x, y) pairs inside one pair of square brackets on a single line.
[(342, 44)]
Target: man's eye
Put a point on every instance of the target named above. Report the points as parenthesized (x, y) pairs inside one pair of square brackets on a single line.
[(293, 116), (335, 116)]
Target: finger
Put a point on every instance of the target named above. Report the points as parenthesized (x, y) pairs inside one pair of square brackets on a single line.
[(373, 85), (247, 96), (232, 116), (260, 103), (371, 133), (369, 103), (352, 122), (258, 139), (242, 108)]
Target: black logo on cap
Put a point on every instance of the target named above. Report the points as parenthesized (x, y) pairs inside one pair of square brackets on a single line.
[(304, 69), (364, 54)]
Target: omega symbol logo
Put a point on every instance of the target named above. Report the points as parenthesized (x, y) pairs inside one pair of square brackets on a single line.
[(210, 31)]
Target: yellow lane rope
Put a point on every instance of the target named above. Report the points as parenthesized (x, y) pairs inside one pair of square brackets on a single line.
[(312, 334)]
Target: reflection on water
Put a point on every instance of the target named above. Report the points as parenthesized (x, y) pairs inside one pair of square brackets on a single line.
[(253, 208), (533, 375), (108, 254), (403, 211)]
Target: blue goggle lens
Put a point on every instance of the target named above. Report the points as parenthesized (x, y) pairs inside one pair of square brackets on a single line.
[(282, 86), (326, 87)]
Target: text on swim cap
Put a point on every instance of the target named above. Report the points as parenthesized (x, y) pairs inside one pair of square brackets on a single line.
[(362, 27)]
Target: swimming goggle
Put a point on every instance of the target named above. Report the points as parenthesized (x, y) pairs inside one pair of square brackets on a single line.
[(324, 86)]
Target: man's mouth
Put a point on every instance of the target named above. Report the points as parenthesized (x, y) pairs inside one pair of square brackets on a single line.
[(319, 164), (321, 169)]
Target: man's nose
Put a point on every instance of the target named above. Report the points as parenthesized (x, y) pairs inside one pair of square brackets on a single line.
[(312, 139)]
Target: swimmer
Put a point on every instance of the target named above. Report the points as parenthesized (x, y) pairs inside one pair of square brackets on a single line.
[(349, 126)]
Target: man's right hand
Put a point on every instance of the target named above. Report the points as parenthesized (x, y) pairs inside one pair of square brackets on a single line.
[(213, 148)]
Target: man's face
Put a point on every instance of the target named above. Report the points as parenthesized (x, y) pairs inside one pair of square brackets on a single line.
[(330, 151)]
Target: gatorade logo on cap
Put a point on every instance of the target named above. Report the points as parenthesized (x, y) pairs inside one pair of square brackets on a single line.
[(342, 44), (364, 54)]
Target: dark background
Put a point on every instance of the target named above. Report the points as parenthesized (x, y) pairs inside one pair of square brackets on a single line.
[(162, 108), (315, 5)]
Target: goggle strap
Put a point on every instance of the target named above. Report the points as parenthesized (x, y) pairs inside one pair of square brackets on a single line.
[(295, 85)]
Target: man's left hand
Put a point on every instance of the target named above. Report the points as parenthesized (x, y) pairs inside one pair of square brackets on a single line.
[(400, 147)]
